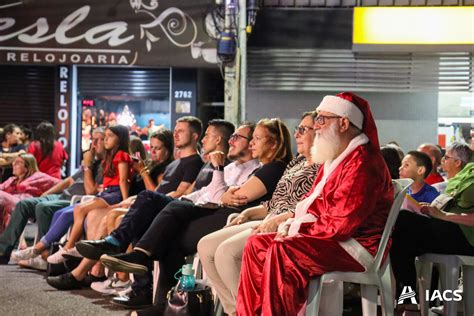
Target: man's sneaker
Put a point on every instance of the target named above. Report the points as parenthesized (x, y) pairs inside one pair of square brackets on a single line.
[(25, 254), (133, 262), (93, 249), (36, 263), (64, 282), (110, 286), (61, 255)]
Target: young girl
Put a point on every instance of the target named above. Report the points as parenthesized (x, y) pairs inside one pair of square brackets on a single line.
[(116, 166)]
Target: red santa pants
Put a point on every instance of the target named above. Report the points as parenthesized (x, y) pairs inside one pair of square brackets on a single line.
[(275, 273)]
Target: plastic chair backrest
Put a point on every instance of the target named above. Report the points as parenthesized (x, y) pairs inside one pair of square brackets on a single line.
[(400, 187)]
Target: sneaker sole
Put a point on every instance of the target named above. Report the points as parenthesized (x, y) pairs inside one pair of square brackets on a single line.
[(115, 264), (90, 252), (32, 268)]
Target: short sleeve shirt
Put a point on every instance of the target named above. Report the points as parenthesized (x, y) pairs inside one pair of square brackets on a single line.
[(181, 170), (427, 194), (269, 174), (50, 164), (120, 156)]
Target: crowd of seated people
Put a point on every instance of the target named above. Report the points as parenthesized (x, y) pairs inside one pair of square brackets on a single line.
[(293, 214)]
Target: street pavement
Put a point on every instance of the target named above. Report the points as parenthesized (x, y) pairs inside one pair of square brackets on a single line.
[(25, 292)]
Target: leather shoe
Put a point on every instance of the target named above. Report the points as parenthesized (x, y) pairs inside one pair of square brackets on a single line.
[(132, 262), (93, 249), (65, 282), (135, 299)]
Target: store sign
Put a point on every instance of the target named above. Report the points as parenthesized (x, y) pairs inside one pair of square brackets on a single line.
[(62, 108), (158, 33)]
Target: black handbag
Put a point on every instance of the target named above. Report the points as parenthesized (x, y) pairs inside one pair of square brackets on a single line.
[(196, 302)]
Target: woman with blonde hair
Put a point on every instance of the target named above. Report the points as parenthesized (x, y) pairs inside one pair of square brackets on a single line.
[(26, 182)]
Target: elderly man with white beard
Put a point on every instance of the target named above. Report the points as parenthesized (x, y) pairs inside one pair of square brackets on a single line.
[(351, 198)]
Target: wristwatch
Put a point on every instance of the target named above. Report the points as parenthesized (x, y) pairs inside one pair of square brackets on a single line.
[(219, 168)]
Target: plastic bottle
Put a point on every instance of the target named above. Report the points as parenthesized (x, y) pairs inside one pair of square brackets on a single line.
[(187, 280)]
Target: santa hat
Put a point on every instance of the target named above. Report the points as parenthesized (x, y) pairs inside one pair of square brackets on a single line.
[(356, 109)]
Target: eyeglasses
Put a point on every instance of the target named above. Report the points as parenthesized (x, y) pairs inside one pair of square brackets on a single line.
[(236, 136), (446, 157), (321, 119), (303, 129)]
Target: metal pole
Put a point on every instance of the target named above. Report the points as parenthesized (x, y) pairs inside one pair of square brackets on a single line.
[(243, 57), (231, 75)]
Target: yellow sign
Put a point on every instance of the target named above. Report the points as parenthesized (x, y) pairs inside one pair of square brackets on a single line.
[(414, 25)]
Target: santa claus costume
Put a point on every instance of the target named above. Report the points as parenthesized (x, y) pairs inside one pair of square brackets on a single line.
[(351, 198)]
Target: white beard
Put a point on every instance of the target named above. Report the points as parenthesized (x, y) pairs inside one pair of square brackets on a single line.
[(325, 145)]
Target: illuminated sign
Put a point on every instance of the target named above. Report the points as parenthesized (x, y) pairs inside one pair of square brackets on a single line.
[(88, 102), (414, 26)]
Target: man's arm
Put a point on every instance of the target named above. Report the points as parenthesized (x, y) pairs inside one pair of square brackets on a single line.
[(60, 187), (182, 187), (89, 181), (353, 200)]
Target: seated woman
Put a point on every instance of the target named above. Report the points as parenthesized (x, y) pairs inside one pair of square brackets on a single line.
[(221, 251), (449, 229), (49, 152), (26, 182), (175, 232), (148, 173)]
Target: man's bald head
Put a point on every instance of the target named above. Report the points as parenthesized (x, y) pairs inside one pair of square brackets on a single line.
[(433, 152)]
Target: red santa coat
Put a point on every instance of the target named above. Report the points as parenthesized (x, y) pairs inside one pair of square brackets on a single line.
[(354, 203)]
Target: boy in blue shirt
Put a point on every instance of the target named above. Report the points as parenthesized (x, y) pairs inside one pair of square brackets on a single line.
[(417, 166)]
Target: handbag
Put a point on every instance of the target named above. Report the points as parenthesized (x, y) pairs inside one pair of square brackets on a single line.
[(196, 302)]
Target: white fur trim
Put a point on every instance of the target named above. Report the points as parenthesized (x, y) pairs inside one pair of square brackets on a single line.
[(301, 212), (342, 107)]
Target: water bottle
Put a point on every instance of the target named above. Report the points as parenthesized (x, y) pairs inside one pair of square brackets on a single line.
[(187, 280)]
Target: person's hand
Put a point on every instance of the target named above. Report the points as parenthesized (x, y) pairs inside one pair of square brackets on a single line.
[(138, 166), (231, 198), (268, 226), (217, 158), (282, 232), (432, 211), (240, 219), (88, 158)]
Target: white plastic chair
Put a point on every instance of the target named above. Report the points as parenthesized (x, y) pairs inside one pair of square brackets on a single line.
[(377, 274), (74, 200), (449, 266)]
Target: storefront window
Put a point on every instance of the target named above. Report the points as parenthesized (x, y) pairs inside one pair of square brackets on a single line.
[(142, 116), (456, 117)]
